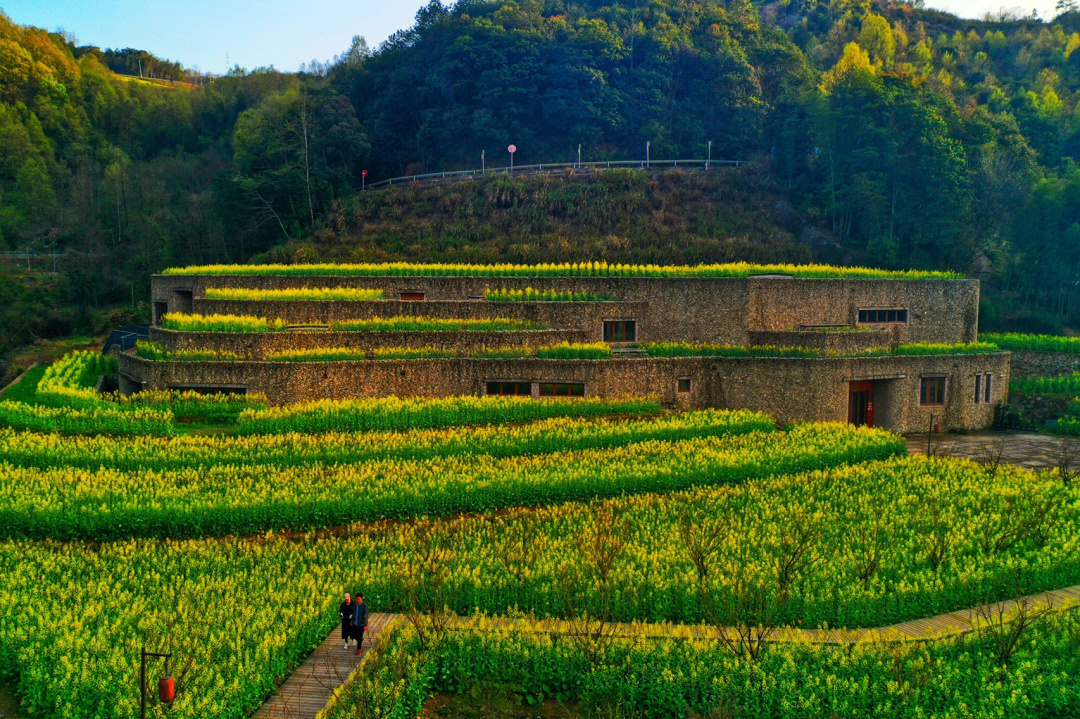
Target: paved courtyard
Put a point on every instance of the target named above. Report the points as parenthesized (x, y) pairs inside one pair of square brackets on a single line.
[(1024, 449)]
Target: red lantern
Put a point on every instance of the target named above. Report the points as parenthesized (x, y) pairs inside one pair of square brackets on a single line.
[(167, 690)]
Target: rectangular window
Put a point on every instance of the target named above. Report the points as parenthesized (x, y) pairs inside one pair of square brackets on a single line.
[(684, 385), (160, 310), (509, 389), (881, 317), (562, 389), (978, 388), (932, 391), (986, 388), (620, 331), (412, 296)]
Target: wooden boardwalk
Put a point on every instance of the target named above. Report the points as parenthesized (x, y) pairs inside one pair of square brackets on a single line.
[(308, 689)]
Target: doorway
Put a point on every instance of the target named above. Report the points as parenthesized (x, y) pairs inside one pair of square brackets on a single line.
[(861, 404)]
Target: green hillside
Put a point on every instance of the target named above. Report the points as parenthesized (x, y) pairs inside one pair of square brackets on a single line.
[(878, 134)]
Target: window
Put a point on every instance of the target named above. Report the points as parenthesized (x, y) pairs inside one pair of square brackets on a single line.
[(620, 331), (986, 388), (412, 296), (160, 310), (683, 385), (978, 388), (562, 389), (510, 389), (932, 391), (876, 316)]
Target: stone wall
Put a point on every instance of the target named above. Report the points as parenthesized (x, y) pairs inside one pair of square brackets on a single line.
[(719, 310), (1044, 364), (588, 317), (258, 344), (787, 389)]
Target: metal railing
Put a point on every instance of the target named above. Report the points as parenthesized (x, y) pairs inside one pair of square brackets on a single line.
[(546, 166)]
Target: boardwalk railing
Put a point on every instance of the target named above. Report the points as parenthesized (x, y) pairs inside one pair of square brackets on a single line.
[(549, 166)]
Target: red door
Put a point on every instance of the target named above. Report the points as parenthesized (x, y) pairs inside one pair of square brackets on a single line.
[(861, 404)]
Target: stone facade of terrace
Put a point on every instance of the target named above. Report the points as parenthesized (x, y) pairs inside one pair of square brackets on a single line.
[(787, 388), (830, 317)]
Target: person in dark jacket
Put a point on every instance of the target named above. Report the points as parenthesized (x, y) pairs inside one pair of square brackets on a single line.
[(360, 620), (347, 611)]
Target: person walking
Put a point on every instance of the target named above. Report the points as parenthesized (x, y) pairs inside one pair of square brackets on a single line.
[(360, 620), (347, 611)]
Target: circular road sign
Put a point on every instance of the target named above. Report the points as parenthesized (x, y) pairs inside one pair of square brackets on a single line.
[(512, 149)]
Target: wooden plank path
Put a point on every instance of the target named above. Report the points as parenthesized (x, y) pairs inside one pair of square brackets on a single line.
[(952, 623), (308, 689)]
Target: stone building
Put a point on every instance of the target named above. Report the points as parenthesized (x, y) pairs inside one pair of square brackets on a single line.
[(847, 327)]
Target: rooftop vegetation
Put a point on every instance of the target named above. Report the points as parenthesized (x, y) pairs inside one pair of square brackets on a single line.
[(250, 323), (319, 294), (532, 295), (1017, 342), (575, 269)]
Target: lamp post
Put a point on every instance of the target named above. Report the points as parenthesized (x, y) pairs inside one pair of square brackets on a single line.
[(166, 687)]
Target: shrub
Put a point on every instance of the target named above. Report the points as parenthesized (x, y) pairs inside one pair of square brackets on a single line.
[(220, 323), (531, 295), (685, 349), (431, 324)]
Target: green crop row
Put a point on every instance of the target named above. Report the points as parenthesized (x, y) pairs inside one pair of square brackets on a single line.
[(1016, 342), (532, 295), (249, 323), (104, 420), (153, 351), (886, 542), (66, 503), (686, 349), (568, 269), (491, 667), (1069, 384), (918, 349), (293, 450), (575, 350), (317, 294), (394, 413)]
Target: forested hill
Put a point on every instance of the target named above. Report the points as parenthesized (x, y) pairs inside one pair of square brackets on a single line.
[(880, 134)]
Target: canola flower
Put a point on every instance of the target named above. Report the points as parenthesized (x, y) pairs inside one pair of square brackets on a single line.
[(647, 676), (1018, 342), (406, 323), (184, 322), (566, 269), (317, 294), (533, 295), (396, 413), (238, 647), (575, 350), (66, 503), (279, 451)]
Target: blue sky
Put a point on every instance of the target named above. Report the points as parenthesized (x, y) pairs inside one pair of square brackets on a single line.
[(201, 33), (282, 33)]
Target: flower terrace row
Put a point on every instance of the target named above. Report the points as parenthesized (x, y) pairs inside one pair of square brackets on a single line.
[(851, 546)]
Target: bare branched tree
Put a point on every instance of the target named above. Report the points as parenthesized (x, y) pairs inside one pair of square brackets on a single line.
[(1067, 461), (423, 576), (990, 456), (703, 529), (937, 529), (867, 542), (799, 534), (589, 624), (1005, 623), (513, 542)]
